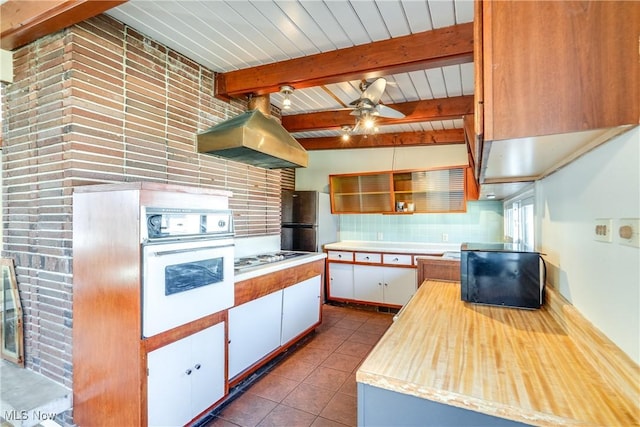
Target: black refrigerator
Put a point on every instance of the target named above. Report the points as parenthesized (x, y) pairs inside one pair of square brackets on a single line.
[(307, 223)]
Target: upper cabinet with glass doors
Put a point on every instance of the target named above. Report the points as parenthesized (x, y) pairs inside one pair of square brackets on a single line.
[(365, 193), (399, 192)]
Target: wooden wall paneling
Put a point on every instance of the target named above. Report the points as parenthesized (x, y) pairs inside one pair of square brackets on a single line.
[(432, 268)]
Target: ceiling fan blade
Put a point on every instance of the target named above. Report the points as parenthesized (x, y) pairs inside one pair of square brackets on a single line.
[(374, 91), (384, 111)]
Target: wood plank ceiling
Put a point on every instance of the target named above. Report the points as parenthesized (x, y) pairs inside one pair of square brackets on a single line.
[(424, 48)]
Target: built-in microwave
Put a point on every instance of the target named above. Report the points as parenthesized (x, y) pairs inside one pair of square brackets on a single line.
[(501, 274)]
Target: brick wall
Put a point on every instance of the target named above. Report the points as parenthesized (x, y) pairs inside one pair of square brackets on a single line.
[(96, 103)]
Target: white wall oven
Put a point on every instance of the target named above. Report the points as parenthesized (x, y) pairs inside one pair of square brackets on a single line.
[(188, 272)]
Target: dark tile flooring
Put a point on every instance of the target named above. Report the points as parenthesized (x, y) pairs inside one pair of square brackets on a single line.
[(316, 384)]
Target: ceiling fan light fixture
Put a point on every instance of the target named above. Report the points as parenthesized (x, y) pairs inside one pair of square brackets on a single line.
[(286, 91), (345, 133), (369, 123)]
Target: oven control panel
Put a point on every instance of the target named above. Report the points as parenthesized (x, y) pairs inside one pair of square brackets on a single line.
[(168, 223)]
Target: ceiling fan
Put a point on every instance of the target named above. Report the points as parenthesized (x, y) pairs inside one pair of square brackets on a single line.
[(368, 106)]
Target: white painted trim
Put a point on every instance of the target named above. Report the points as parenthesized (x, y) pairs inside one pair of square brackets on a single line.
[(6, 66)]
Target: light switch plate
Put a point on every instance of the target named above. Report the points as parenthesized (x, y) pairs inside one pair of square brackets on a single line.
[(602, 230), (623, 231)]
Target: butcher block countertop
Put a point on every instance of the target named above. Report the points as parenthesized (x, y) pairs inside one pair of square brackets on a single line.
[(521, 365)]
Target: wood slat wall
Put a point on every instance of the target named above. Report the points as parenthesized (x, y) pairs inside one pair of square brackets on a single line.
[(95, 103)]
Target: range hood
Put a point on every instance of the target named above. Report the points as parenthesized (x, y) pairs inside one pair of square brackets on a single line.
[(254, 138)]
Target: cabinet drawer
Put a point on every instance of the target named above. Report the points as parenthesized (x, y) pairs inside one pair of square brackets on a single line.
[(397, 259), (340, 256), (368, 257)]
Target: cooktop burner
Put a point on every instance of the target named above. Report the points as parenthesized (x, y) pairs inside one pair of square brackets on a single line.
[(266, 258)]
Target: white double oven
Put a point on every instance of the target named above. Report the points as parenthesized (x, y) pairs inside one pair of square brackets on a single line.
[(188, 272)]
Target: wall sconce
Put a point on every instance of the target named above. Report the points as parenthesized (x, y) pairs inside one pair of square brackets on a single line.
[(286, 91)]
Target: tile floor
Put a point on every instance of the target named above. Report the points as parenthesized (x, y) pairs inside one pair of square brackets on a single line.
[(316, 384)]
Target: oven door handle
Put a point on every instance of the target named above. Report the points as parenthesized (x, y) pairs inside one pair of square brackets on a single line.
[(181, 251)]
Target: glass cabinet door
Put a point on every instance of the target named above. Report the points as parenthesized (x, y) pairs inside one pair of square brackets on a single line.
[(430, 191), (367, 193)]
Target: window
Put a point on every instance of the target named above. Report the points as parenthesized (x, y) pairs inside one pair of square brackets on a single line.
[(519, 219)]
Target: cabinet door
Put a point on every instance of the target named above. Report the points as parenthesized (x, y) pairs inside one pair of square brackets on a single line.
[(186, 377), (399, 285), (207, 375), (300, 308), (367, 283), (361, 193), (254, 331), (168, 384), (340, 280), (530, 63)]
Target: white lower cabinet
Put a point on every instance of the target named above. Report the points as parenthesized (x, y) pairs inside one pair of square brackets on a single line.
[(254, 331), (367, 283), (258, 327), (399, 285), (186, 377), (300, 308), (340, 280), (385, 285)]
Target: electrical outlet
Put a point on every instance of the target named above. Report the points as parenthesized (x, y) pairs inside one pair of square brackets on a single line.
[(445, 237), (379, 235), (602, 230), (629, 232)]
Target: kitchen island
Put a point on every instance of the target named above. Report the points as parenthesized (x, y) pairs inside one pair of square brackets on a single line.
[(447, 362)]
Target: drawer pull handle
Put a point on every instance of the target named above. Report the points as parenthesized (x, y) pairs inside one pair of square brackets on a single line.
[(396, 259), (367, 258), (339, 255), (198, 366), (188, 372)]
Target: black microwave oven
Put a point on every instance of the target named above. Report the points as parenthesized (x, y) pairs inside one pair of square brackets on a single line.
[(501, 274)]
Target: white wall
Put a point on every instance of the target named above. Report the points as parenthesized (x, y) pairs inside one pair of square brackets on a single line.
[(602, 280), (323, 163)]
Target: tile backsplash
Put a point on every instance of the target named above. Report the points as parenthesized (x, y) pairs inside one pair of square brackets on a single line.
[(483, 222)]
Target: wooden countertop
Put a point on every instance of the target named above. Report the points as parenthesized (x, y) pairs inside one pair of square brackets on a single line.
[(510, 363)]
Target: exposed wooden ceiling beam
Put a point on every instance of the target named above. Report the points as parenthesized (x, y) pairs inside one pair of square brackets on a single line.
[(415, 111), (22, 22), (404, 139), (437, 48)]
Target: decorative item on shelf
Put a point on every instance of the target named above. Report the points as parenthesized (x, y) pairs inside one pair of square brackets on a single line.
[(411, 207), (399, 206), (286, 90)]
